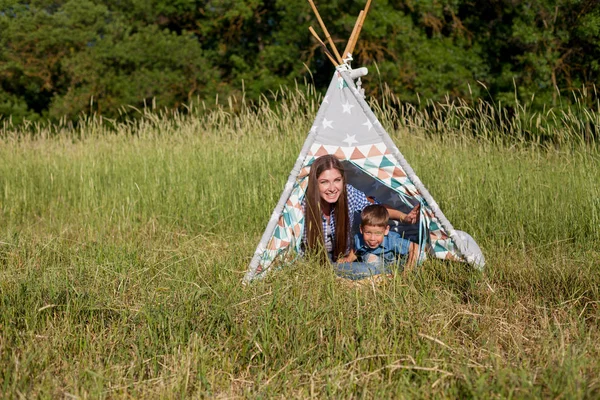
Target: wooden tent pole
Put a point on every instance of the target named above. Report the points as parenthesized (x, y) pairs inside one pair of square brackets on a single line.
[(355, 38), (360, 23), (367, 7), (327, 36), (327, 53), (353, 35)]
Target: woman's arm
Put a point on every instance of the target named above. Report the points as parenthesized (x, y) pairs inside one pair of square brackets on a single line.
[(349, 258), (411, 218)]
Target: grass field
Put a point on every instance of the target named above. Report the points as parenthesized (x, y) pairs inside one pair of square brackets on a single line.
[(122, 253)]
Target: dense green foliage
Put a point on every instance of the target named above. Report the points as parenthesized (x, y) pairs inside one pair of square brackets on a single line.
[(63, 57)]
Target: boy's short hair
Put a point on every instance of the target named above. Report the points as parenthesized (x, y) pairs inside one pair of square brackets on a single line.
[(374, 215)]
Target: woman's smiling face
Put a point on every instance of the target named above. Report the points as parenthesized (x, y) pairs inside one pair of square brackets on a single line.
[(331, 184)]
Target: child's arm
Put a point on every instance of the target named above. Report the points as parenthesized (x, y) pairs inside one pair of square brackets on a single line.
[(413, 254), (349, 258)]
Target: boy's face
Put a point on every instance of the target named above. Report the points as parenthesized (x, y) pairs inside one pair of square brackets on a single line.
[(373, 235)]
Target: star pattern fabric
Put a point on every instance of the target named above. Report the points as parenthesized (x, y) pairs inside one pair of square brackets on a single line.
[(345, 118)]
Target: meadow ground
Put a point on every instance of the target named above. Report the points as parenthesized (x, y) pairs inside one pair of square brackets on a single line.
[(122, 254)]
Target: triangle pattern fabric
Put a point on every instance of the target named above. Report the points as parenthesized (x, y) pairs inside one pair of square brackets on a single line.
[(346, 127)]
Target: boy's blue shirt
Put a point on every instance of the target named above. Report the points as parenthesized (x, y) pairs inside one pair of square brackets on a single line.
[(391, 250)]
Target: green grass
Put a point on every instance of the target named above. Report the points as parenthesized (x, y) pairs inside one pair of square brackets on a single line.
[(122, 250)]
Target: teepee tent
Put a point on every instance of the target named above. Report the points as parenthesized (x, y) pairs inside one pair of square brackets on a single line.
[(347, 128)]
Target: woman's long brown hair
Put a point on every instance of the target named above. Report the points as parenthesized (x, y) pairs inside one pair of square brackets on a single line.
[(315, 241)]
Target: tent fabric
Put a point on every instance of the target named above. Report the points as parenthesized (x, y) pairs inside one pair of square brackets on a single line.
[(346, 127)]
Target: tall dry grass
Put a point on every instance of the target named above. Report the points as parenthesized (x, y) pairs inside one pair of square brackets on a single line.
[(123, 245)]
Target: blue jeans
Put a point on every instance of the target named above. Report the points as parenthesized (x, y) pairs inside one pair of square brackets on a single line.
[(359, 270)]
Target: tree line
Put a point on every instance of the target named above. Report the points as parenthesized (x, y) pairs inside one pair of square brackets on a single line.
[(61, 58)]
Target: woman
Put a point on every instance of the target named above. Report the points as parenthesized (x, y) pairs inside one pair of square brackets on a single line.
[(330, 206)]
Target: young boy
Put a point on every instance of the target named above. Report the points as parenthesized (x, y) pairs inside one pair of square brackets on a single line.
[(377, 245)]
